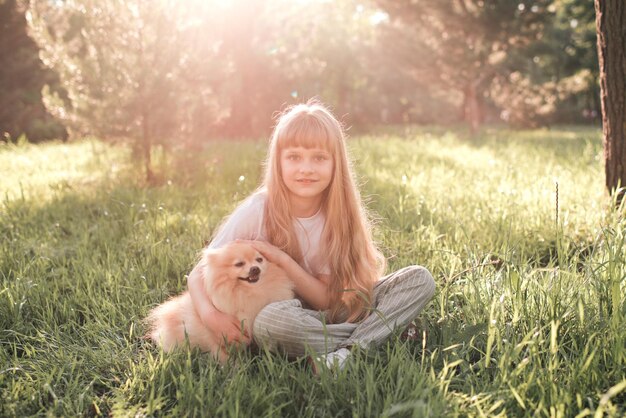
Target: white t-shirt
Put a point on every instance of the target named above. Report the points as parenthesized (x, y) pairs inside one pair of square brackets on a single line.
[(246, 222)]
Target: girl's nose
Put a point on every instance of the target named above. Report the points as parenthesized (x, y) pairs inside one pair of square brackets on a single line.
[(306, 167)]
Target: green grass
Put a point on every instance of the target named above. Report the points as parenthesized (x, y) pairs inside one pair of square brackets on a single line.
[(528, 319)]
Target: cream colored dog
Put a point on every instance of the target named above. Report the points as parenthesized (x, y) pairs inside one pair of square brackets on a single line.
[(239, 281)]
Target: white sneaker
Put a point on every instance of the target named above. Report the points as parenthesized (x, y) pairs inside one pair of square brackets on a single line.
[(333, 361)]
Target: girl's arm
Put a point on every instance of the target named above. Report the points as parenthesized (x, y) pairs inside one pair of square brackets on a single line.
[(313, 290), (217, 321)]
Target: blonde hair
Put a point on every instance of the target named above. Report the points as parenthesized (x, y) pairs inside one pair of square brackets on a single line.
[(355, 261)]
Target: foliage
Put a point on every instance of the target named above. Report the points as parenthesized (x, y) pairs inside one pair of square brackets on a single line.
[(124, 71), (21, 78), (528, 63), (527, 319), (555, 78), (467, 42), (179, 72)]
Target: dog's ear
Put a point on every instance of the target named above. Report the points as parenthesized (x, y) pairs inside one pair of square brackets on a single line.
[(207, 257), (207, 254), (207, 260)]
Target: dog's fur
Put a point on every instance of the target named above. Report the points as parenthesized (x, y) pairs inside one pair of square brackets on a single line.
[(239, 282)]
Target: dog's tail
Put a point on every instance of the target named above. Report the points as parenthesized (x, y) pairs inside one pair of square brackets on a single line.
[(165, 324)]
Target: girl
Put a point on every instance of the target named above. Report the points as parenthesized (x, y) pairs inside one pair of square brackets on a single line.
[(308, 218)]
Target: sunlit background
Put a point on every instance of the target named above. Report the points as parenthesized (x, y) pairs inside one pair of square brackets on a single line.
[(183, 71)]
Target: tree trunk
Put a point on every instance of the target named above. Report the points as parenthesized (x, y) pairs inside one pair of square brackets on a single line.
[(611, 31), (146, 145), (472, 106), (146, 137)]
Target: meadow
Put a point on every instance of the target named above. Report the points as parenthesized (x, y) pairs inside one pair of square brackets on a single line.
[(523, 241)]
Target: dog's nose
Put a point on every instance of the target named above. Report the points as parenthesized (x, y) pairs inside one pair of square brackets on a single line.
[(254, 271)]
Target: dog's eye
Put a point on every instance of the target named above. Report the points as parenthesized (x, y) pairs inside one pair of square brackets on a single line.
[(240, 264), (259, 260)]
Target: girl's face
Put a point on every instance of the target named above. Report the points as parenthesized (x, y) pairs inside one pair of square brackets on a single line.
[(307, 172)]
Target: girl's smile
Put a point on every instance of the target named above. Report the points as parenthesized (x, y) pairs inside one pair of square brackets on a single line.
[(306, 181)]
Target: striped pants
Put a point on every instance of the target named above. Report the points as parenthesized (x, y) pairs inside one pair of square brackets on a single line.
[(288, 328)]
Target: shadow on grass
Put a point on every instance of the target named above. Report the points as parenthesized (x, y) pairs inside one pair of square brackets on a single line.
[(79, 270)]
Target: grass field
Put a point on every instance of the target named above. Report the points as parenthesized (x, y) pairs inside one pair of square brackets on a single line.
[(529, 317)]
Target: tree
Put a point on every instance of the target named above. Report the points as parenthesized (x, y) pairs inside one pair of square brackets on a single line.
[(575, 21), (611, 30), (22, 75), (463, 44), (137, 70), (555, 78)]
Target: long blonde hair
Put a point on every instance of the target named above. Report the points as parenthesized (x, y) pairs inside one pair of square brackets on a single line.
[(355, 261)]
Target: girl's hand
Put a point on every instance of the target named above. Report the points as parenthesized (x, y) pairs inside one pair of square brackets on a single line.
[(227, 326), (273, 254), (313, 290)]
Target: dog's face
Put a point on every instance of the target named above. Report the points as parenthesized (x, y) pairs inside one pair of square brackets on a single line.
[(237, 263)]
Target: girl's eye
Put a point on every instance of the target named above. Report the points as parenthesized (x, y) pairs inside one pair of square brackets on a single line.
[(293, 157), (240, 264), (320, 158), (259, 260)]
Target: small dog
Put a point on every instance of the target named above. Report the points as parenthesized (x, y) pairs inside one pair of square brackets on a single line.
[(239, 281)]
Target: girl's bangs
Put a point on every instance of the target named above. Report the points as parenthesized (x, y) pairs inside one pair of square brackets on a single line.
[(305, 132)]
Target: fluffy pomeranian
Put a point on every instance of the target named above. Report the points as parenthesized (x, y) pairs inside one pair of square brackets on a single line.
[(239, 282)]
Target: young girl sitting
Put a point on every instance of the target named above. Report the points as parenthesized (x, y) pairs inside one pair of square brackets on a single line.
[(308, 218)]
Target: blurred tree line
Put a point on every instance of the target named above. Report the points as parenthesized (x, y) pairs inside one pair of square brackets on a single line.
[(22, 76), (177, 72), (527, 62)]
